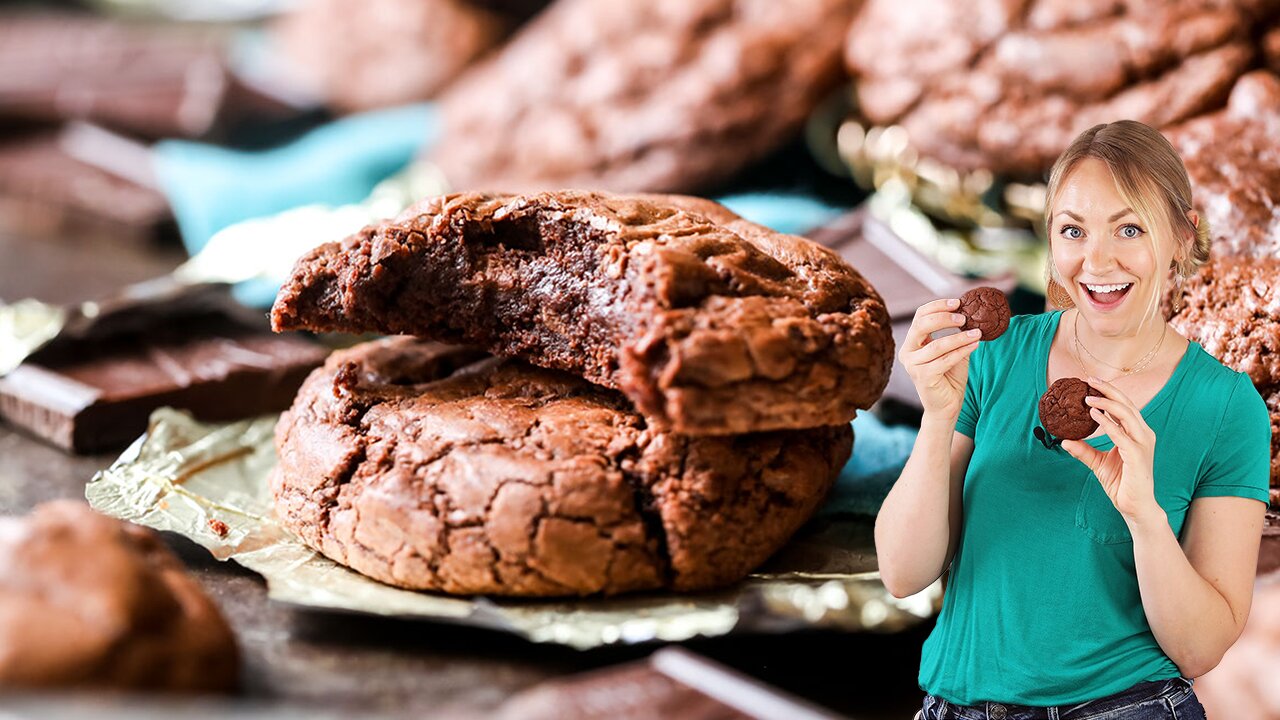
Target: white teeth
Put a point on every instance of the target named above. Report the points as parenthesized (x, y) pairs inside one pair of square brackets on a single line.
[(1106, 288)]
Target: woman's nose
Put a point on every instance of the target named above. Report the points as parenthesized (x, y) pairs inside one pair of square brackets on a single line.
[(1099, 256)]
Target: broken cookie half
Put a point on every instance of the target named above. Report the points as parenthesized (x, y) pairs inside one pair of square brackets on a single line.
[(708, 323)]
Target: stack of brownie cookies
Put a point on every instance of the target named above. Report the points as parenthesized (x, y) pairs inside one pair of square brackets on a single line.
[(667, 400), (1231, 306)]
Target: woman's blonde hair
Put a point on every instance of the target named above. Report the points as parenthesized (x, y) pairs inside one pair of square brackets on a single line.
[(1151, 178)]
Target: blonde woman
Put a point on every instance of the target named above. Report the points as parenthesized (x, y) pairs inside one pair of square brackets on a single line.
[(1092, 578)]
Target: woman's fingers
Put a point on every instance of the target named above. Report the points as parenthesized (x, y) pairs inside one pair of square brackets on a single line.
[(1084, 452), (941, 364), (1119, 436), (940, 347), (930, 317), (1123, 413)]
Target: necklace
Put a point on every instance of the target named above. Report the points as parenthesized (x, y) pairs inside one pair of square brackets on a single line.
[(1141, 364)]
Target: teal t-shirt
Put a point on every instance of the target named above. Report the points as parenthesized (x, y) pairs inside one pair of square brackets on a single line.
[(1042, 606)]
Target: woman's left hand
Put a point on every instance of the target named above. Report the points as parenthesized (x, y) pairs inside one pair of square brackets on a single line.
[(1125, 470)]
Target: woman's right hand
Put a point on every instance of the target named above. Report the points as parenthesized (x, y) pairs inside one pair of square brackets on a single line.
[(939, 368)]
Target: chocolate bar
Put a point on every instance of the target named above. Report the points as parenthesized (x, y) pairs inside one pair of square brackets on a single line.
[(671, 683), (46, 191), (905, 277), (97, 395), (153, 81)]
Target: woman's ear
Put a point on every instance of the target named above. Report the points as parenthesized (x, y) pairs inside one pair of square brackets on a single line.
[(1194, 217)]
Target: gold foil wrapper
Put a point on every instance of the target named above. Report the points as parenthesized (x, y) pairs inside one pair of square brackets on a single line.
[(974, 223), (208, 483)]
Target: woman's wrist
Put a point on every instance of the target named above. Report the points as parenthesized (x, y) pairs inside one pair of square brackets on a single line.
[(1149, 515), (939, 419)]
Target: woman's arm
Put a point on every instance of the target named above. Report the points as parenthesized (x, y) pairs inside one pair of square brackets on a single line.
[(919, 522), (918, 525), (1196, 596)]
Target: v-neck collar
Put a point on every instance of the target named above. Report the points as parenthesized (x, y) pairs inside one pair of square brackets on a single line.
[(1155, 402)]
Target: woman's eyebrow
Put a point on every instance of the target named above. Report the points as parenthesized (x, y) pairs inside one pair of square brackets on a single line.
[(1119, 215), (1074, 216)]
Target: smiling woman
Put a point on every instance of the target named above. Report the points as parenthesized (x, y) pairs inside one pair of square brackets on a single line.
[(1121, 563), (1121, 183)]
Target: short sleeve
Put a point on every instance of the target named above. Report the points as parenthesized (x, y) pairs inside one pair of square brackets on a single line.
[(967, 422), (1239, 461)]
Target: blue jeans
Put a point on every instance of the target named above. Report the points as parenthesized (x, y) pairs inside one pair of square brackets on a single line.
[(1172, 699)]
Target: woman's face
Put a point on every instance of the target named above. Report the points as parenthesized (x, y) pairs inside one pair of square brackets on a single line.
[(1102, 250)]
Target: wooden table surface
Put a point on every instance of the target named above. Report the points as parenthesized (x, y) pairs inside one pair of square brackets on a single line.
[(299, 661)]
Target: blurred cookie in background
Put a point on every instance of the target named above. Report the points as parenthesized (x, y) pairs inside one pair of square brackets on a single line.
[(1006, 86), (88, 601), (1243, 685), (1232, 308), (380, 53), (673, 95), (1233, 159)]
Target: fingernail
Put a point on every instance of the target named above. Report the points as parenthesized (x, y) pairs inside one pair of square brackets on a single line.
[(973, 333), (953, 302), (957, 317)]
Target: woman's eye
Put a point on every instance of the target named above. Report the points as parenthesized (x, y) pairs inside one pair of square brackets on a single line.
[(1131, 231), (1071, 231)]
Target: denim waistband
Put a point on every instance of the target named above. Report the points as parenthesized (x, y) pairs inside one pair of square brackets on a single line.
[(1173, 688)]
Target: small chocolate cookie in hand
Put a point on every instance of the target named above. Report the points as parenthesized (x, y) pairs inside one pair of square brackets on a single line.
[(986, 309), (1064, 412)]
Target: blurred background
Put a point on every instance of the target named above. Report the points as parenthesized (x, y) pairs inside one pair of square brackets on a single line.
[(215, 140)]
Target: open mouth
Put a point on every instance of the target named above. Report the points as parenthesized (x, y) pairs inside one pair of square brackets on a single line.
[(1106, 296)]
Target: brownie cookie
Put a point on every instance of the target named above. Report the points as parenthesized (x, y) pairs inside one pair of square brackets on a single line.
[(1232, 308), (1233, 160), (1064, 412), (712, 325), (380, 53), (89, 601), (1006, 85), (406, 461), (986, 309), (667, 96)]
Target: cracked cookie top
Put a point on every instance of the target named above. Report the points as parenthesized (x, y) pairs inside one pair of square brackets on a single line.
[(710, 324), (655, 96), (1007, 84), (429, 467)]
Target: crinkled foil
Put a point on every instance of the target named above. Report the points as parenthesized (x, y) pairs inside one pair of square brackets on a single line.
[(208, 482), (974, 223)]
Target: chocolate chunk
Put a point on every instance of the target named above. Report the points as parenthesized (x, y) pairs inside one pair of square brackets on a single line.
[(1233, 160), (1006, 86), (44, 191), (710, 324), (97, 395), (1063, 411), (1231, 306), (987, 309), (637, 96), (406, 461), (671, 683), (87, 601), (151, 81)]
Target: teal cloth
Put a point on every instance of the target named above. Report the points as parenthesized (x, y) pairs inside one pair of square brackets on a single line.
[(211, 187), (1042, 606), (879, 453)]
